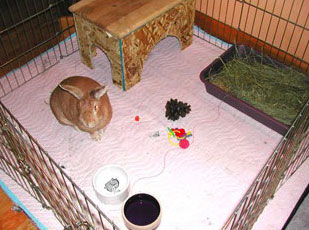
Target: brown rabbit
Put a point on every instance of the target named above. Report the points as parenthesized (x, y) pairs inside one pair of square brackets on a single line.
[(82, 103)]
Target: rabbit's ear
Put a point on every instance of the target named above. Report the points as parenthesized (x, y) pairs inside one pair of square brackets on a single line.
[(100, 92), (74, 91)]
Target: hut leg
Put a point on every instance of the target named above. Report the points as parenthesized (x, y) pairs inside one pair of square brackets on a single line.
[(86, 51), (84, 34), (185, 40), (133, 62), (185, 35)]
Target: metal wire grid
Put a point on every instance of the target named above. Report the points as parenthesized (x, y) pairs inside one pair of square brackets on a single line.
[(24, 160), (288, 156), (30, 36), (278, 28)]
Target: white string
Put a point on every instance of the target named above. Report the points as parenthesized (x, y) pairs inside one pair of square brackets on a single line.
[(157, 174), (170, 150), (118, 208)]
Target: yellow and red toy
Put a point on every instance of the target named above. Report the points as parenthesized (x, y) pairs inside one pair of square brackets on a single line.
[(181, 135)]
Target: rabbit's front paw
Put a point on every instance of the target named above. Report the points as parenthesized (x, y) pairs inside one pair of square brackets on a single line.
[(96, 135)]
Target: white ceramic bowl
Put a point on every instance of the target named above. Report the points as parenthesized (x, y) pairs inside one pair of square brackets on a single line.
[(111, 184), (141, 212)]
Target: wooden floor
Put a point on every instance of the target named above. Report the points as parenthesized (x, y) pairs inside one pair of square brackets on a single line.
[(10, 219)]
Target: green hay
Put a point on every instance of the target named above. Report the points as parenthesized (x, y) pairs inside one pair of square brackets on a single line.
[(278, 92)]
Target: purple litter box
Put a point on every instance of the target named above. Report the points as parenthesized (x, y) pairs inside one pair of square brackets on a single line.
[(217, 65)]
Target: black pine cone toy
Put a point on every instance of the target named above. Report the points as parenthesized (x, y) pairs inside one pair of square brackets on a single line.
[(176, 109)]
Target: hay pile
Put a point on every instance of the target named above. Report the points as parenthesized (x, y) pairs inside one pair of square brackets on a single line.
[(280, 92)]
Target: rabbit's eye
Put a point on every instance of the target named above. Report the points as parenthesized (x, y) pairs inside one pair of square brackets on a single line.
[(96, 108)]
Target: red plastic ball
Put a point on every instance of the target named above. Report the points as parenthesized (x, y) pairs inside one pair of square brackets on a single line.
[(184, 143)]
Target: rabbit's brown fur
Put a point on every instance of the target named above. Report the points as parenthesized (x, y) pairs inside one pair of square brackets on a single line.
[(82, 103)]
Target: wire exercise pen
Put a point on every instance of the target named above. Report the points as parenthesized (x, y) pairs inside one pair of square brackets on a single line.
[(27, 32)]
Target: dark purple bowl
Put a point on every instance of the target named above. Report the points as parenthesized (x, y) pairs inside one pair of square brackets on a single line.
[(142, 210), (217, 65)]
